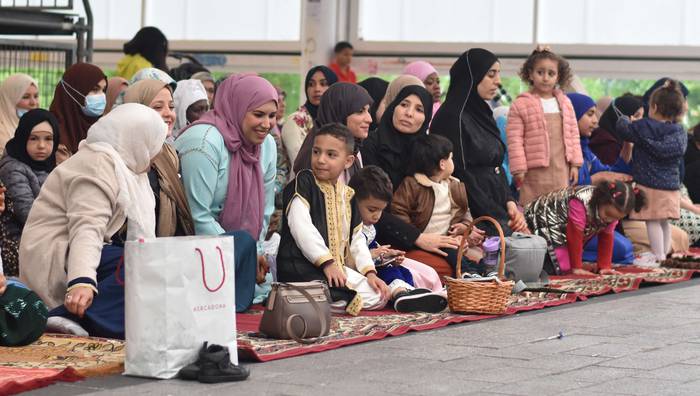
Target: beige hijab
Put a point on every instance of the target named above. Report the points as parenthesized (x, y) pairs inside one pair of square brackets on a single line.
[(174, 210), (132, 135), (393, 90), (144, 91), (11, 91)]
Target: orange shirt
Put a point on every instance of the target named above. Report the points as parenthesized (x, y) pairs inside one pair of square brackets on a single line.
[(343, 77)]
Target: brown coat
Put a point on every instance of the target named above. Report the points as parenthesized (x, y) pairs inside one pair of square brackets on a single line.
[(414, 201)]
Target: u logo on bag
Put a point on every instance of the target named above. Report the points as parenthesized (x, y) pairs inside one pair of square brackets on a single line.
[(204, 275)]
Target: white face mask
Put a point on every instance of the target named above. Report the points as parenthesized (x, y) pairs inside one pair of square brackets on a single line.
[(21, 112)]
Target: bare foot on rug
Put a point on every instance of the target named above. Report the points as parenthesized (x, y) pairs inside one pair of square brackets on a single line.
[(581, 271), (609, 272)]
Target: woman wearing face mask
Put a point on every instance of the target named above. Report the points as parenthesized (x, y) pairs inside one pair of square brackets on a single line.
[(300, 123), (78, 102), (173, 216), (19, 93), (29, 157), (221, 156)]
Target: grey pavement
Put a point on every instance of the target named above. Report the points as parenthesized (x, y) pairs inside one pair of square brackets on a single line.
[(636, 343)]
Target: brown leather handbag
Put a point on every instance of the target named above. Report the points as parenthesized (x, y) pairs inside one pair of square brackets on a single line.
[(297, 310)]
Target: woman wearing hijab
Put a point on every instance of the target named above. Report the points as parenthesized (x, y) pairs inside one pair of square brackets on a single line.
[(391, 145), (191, 102), (29, 157), (345, 103), (78, 102), (209, 84), (300, 123), (115, 87), (376, 87), (173, 216), (604, 142), (430, 77), (19, 93), (467, 120), (148, 48), (393, 90), (63, 256), (221, 156)]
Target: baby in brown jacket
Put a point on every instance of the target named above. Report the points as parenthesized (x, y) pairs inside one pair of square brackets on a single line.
[(434, 201)]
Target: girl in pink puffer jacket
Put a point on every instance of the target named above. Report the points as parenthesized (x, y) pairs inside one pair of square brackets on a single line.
[(544, 145)]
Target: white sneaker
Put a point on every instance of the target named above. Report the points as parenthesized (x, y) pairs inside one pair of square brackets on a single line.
[(646, 259), (59, 324)]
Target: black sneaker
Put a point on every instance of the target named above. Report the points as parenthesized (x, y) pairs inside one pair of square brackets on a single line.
[(215, 366), (191, 371), (420, 300)]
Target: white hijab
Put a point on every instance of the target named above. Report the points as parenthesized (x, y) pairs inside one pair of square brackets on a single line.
[(186, 93), (131, 134)]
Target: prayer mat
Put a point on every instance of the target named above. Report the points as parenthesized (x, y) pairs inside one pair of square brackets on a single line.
[(58, 357), (631, 279), (68, 358), (369, 326)]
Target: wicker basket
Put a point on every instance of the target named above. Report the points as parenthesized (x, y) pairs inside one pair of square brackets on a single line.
[(492, 297)]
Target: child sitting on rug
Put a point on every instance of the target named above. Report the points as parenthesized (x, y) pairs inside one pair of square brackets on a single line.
[(434, 201), (321, 235), (568, 218), (405, 277)]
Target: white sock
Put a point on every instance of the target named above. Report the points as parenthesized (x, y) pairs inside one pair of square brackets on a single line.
[(655, 232), (59, 324), (666, 227)]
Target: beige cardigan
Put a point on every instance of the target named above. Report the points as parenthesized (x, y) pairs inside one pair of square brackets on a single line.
[(75, 213)]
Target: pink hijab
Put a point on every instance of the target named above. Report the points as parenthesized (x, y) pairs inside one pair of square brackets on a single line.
[(420, 69), (245, 197)]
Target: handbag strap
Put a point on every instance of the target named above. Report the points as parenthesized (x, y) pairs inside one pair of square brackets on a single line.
[(317, 309)]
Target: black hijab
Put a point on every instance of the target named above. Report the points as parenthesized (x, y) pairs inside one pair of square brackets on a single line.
[(331, 78), (376, 87), (150, 43), (17, 146), (337, 103), (463, 98), (627, 105), (390, 148)]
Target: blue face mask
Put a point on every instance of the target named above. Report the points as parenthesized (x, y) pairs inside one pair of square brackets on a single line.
[(21, 112), (95, 105)]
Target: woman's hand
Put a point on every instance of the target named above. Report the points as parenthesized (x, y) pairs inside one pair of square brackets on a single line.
[(3, 284), (79, 300), (433, 243), (262, 270), (517, 221)]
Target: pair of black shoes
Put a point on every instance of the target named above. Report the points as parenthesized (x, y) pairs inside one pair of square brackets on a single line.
[(213, 366)]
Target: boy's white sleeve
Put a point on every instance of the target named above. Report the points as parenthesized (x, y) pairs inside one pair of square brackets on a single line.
[(306, 236), (360, 252)]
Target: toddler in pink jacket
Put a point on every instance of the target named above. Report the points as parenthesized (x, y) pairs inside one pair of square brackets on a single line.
[(544, 147)]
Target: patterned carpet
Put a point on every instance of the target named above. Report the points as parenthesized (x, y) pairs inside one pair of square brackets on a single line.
[(65, 358), (56, 357)]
